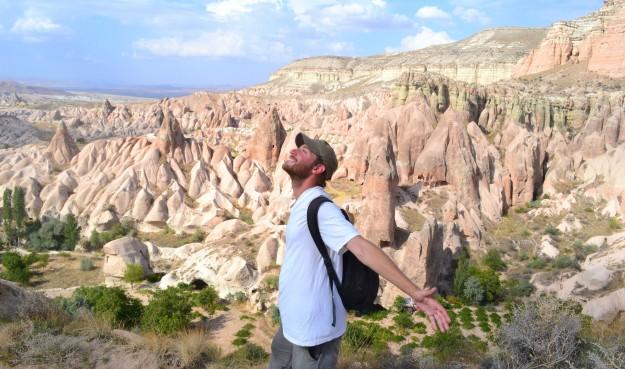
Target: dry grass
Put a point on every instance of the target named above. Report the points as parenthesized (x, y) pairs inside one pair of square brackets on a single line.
[(343, 190), (167, 239), (193, 348), (414, 219), (64, 272), (86, 324)]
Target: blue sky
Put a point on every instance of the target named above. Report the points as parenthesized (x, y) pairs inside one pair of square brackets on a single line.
[(202, 43)]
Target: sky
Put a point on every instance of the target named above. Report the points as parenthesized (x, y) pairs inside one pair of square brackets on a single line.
[(206, 43)]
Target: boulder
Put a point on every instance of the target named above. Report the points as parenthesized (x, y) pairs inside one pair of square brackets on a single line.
[(607, 307), (267, 140), (118, 254), (232, 226), (547, 249), (267, 254), (218, 267)]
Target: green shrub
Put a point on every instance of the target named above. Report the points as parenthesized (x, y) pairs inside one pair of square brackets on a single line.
[(496, 319), (239, 341), (15, 268), (270, 282), (614, 224), (516, 288), (473, 292), (133, 273), (376, 315), (399, 304), (168, 311), (552, 231), (274, 313), (480, 315), (198, 236), (86, 264), (207, 299), (403, 320), (408, 348), (582, 250), (564, 262), (36, 259), (49, 237), (493, 260), (246, 356), (420, 328), (450, 345), (537, 263), (110, 304), (118, 230), (243, 333), (367, 335)]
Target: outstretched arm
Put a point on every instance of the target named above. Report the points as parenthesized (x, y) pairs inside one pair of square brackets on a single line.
[(378, 261)]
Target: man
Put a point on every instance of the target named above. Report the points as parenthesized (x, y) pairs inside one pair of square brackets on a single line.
[(307, 338)]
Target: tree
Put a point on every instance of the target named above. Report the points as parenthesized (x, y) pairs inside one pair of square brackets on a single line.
[(7, 208), (15, 268), (19, 207), (71, 232), (48, 237), (134, 273)]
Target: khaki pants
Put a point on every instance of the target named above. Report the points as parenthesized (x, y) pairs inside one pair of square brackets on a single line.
[(285, 355)]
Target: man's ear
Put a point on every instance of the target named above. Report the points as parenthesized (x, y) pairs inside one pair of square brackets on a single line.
[(319, 168)]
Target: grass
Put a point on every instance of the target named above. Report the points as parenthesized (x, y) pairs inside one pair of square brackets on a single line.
[(343, 190), (168, 239), (64, 272), (414, 219)]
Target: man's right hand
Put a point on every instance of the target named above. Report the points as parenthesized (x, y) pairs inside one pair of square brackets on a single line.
[(436, 313)]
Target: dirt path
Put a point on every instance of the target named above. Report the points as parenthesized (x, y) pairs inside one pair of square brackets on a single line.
[(225, 324)]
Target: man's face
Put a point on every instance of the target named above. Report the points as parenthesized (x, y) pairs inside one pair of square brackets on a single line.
[(300, 162)]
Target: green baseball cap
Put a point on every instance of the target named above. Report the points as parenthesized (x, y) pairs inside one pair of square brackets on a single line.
[(322, 149)]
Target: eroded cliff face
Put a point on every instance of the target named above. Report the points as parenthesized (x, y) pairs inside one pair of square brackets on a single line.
[(486, 57), (596, 40)]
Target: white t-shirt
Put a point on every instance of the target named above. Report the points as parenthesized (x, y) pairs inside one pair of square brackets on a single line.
[(304, 291)]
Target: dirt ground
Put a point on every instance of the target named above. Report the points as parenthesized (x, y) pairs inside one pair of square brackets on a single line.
[(63, 271)]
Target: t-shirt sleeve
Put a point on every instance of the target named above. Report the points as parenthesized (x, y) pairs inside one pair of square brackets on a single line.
[(335, 230)]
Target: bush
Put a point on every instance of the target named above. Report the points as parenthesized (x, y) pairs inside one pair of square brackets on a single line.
[(614, 224), (420, 328), (403, 320), (516, 288), (537, 263), (246, 356), (86, 264), (376, 315), (207, 299), (133, 273), (270, 282), (49, 237), (110, 304), (582, 251), (118, 230), (445, 346), (15, 268), (367, 335), (552, 231), (399, 304), (168, 311), (565, 261), (473, 292), (274, 313), (493, 260), (541, 334)]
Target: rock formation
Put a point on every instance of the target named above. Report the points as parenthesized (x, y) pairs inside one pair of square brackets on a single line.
[(62, 146), (267, 141)]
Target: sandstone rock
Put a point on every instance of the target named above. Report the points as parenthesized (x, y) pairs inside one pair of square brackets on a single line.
[(606, 308), (376, 219), (267, 254), (547, 249), (267, 141), (118, 254), (170, 136), (569, 224), (218, 267), (62, 146), (232, 226)]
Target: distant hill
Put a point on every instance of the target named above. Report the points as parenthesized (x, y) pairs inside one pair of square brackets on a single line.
[(10, 87)]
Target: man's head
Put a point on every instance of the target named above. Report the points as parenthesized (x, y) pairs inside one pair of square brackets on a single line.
[(312, 157)]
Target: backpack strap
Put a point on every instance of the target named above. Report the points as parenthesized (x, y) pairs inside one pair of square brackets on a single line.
[(313, 226)]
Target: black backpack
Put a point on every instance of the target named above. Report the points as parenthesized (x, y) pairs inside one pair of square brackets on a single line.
[(359, 286)]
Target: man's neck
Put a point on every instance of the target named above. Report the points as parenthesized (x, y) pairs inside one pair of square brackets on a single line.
[(299, 186)]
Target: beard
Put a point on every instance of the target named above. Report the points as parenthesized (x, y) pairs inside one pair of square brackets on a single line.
[(297, 170)]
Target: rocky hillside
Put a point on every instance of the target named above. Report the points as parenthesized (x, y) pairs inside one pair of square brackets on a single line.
[(483, 58), (428, 164)]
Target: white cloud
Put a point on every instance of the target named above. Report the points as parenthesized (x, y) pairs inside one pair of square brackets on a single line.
[(471, 15), (225, 10), (331, 16), (340, 47), (379, 3), (211, 44), (432, 12), (424, 38), (34, 27)]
